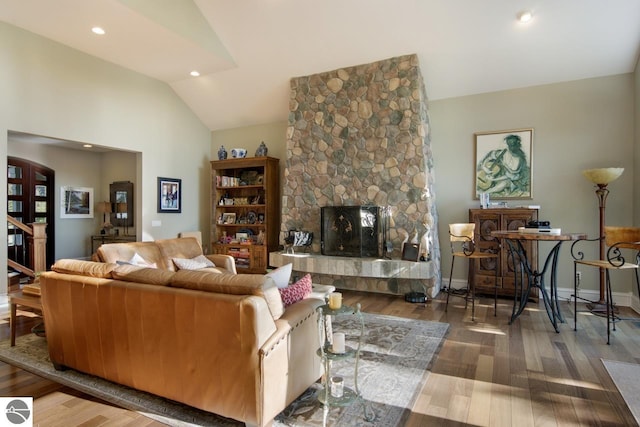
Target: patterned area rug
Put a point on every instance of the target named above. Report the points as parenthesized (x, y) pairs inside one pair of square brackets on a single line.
[(395, 359), (626, 377)]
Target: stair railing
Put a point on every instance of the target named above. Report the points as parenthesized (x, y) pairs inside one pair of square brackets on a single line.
[(34, 244)]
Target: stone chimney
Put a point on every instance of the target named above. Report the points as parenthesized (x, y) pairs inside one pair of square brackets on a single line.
[(360, 136)]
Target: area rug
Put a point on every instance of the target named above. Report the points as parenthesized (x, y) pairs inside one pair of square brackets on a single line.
[(626, 377), (395, 358)]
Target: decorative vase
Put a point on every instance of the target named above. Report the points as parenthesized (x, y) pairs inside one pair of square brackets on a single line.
[(262, 150), (222, 153)]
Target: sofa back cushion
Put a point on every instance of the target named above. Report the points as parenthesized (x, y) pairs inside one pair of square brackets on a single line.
[(125, 252), (234, 284), (180, 247), (84, 268), (133, 273)]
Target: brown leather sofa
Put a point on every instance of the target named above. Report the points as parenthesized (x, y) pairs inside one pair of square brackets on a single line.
[(223, 343)]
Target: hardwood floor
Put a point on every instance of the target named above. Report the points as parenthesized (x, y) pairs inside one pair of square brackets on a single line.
[(488, 373)]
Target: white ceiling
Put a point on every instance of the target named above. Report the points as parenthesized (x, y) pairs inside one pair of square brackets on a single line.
[(247, 50)]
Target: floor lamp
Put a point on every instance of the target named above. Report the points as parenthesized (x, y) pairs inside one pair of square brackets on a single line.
[(602, 178)]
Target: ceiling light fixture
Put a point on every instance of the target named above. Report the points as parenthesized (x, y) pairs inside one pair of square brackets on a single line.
[(525, 16), (98, 30), (194, 73), (87, 145)]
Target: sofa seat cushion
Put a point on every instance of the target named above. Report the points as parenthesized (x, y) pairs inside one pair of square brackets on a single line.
[(84, 268), (133, 273), (234, 284)]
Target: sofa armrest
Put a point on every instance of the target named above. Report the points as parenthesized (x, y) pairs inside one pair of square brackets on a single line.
[(289, 355), (224, 261)]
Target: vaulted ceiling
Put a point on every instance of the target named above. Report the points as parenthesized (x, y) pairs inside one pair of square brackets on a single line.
[(247, 50)]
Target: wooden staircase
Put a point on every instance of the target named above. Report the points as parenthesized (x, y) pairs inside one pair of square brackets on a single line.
[(34, 247)]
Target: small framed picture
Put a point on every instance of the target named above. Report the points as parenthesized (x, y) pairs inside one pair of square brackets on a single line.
[(169, 195), (229, 218), (77, 202), (241, 237)]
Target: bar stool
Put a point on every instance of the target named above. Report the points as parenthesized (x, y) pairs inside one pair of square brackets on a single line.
[(463, 245), (615, 238)]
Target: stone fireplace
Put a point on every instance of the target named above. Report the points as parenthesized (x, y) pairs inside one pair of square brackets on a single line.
[(360, 136)]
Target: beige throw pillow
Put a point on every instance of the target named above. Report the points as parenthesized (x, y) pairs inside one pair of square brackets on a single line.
[(195, 263)]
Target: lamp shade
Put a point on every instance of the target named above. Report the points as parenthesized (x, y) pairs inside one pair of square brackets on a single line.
[(122, 207), (104, 207), (602, 176)]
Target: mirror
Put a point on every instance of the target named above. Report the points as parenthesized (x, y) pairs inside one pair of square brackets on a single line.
[(121, 198)]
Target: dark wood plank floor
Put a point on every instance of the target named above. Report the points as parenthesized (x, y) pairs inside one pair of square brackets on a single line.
[(487, 373)]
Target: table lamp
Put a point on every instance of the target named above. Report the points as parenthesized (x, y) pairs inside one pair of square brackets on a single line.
[(602, 177), (105, 208)]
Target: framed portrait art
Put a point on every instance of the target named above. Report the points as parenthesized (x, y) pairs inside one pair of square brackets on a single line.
[(169, 195), (76, 202), (504, 164)]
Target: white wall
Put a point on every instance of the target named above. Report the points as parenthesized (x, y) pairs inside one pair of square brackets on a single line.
[(51, 90)]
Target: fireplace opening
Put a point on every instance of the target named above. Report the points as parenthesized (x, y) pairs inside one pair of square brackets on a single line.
[(350, 231)]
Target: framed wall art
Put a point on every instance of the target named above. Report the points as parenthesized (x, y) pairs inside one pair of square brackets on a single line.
[(229, 218), (76, 202), (169, 195), (504, 164)]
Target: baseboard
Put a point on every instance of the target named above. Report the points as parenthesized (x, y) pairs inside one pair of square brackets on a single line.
[(622, 299)]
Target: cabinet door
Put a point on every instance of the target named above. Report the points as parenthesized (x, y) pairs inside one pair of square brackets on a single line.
[(485, 269)]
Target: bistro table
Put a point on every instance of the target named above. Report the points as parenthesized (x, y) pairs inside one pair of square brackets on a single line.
[(535, 278)]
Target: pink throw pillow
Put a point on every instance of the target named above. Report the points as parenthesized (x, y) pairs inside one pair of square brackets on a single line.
[(296, 291)]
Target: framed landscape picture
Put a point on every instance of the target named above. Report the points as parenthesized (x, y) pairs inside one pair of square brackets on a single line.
[(76, 202), (169, 195), (503, 164)]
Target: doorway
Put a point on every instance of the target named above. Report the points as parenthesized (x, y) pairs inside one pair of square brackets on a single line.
[(30, 198)]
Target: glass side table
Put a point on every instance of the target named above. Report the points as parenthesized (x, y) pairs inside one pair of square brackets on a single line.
[(334, 392)]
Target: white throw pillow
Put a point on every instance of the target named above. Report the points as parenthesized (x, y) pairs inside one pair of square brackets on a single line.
[(281, 275), (141, 262), (195, 263)]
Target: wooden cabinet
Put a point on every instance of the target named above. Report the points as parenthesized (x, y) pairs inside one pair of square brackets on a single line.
[(245, 212), (481, 272)]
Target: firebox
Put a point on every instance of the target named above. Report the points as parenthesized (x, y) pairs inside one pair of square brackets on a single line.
[(350, 231)]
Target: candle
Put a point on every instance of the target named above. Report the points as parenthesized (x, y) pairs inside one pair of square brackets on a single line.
[(337, 386), (338, 343), (335, 300)]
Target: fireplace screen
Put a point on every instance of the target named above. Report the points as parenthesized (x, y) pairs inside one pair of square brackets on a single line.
[(350, 231)]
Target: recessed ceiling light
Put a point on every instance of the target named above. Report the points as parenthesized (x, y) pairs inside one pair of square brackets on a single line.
[(98, 30), (87, 145), (525, 16), (194, 73)]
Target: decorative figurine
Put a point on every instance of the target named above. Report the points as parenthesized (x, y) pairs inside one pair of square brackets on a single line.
[(262, 150), (222, 153)]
